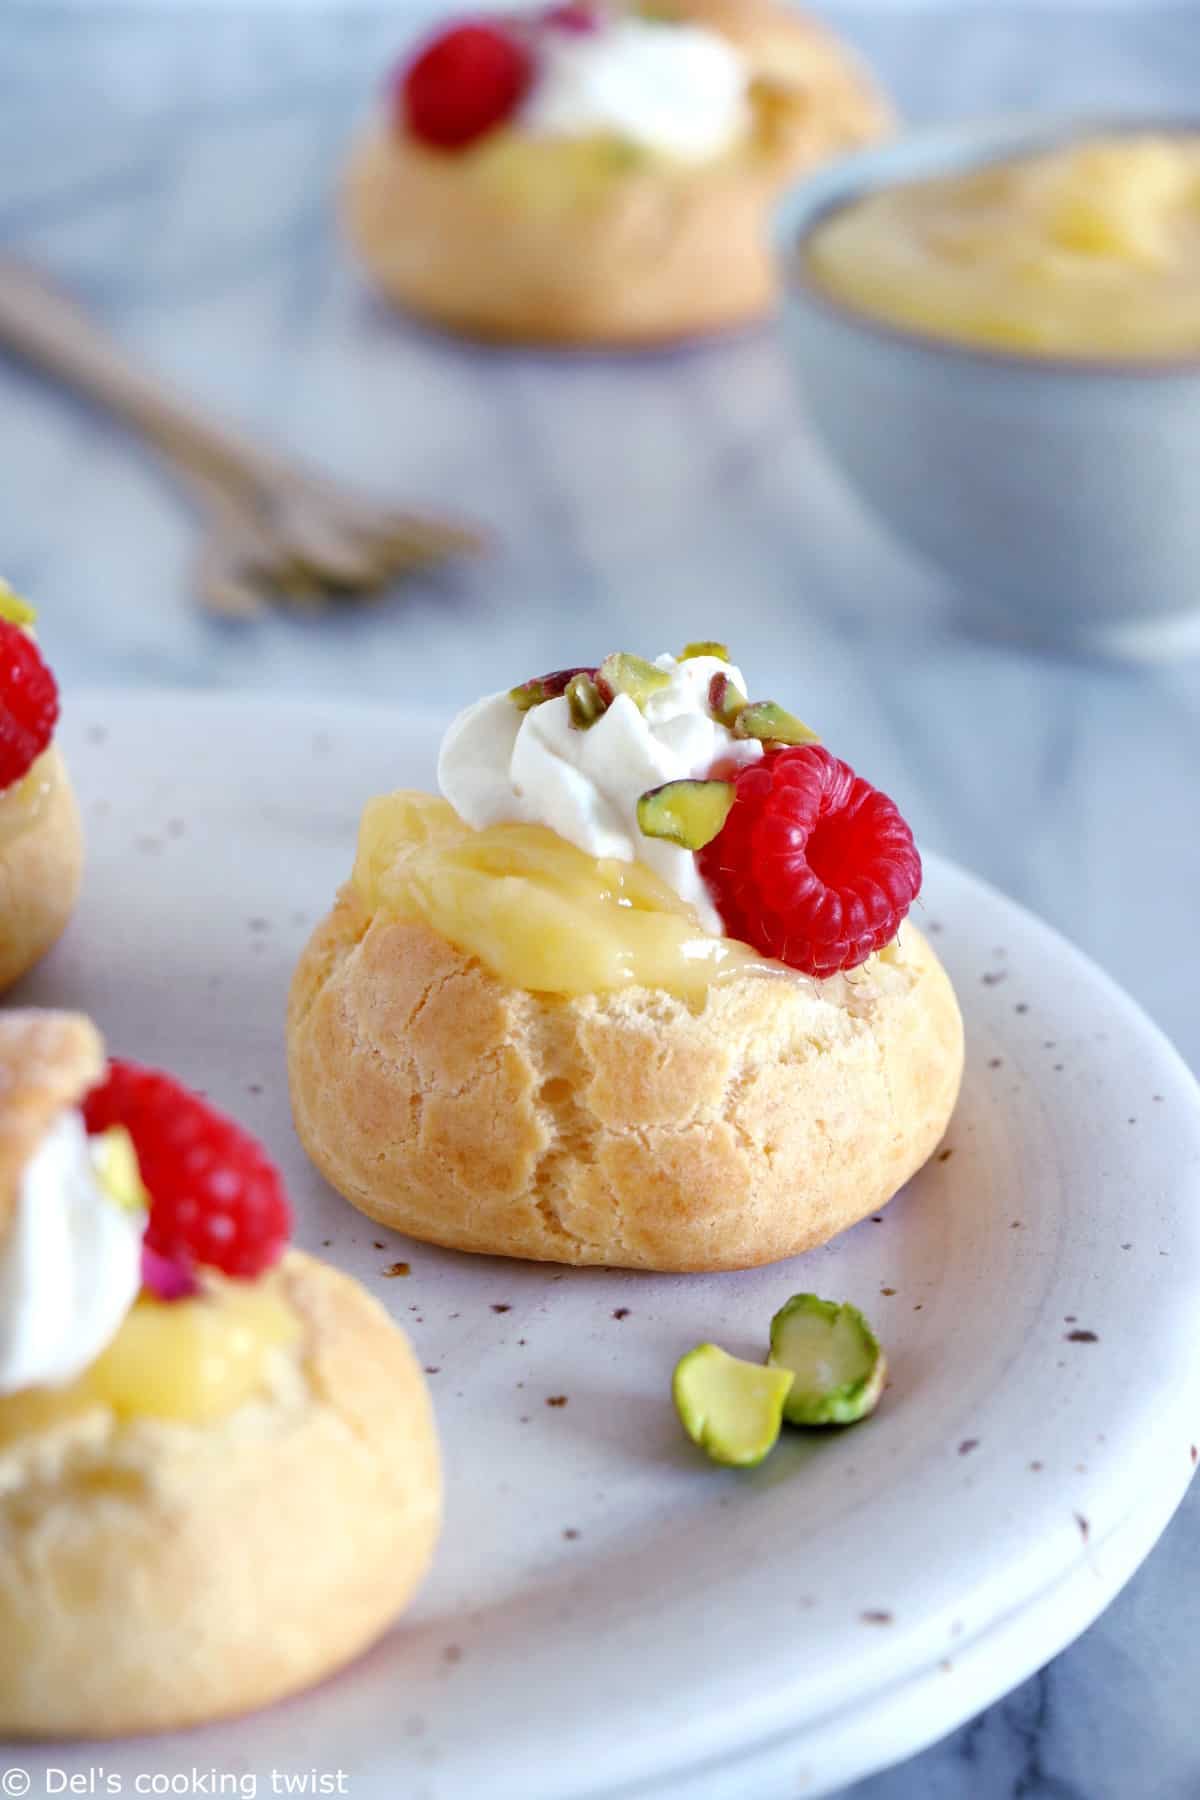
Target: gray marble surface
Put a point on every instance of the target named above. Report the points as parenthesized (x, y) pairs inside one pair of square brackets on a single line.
[(178, 167)]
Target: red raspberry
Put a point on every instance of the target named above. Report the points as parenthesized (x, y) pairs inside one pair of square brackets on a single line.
[(813, 865), (28, 704), (463, 84), (215, 1199)]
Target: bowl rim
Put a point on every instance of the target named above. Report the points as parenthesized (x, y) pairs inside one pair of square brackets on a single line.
[(950, 147)]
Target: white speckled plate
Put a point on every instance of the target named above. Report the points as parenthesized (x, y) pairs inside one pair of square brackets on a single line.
[(608, 1613)]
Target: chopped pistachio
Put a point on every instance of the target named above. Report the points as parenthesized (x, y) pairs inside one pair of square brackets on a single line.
[(732, 1409), (704, 647), (725, 700), (632, 675), (544, 687), (772, 724), (688, 813), (14, 610), (835, 1359), (585, 700), (115, 1162)]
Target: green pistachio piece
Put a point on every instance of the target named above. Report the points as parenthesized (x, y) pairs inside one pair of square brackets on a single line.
[(732, 1409), (623, 674), (704, 647), (687, 813), (544, 687), (833, 1355), (115, 1162), (725, 700), (764, 719), (13, 610), (585, 701)]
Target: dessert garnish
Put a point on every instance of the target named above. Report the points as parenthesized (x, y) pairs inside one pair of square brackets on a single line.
[(813, 865), (771, 724), (471, 78), (825, 1367), (835, 1359), (166, 1279), (115, 1162), (215, 1199), (15, 610), (621, 673), (585, 702), (688, 813), (705, 647), (28, 702), (732, 1409), (725, 699), (610, 77), (639, 680), (771, 839), (544, 687)]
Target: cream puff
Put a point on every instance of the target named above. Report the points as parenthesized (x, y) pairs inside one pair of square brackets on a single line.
[(219, 1474), (599, 174), (641, 990), (41, 840)]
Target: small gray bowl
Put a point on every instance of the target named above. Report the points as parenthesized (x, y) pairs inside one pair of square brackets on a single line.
[(1059, 495)]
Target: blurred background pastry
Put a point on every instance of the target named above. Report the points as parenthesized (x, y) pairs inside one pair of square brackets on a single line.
[(41, 839), (594, 174)]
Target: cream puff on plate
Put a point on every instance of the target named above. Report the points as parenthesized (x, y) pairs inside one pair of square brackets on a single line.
[(219, 1474), (596, 173), (641, 989), (41, 840)]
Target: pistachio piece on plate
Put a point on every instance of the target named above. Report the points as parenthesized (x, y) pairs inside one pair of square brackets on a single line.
[(631, 675), (772, 724), (688, 813), (837, 1366), (732, 1409), (704, 647)]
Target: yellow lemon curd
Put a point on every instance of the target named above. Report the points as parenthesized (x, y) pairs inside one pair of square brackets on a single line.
[(190, 1361), (551, 173), (536, 911), (1088, 250)]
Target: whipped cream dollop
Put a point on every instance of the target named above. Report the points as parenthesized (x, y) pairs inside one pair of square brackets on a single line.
[(70, 1268), (680, 90), (499, 765)]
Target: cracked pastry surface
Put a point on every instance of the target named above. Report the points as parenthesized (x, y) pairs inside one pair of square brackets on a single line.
[(627, 1128)]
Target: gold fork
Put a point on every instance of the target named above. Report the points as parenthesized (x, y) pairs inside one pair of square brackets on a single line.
[(274, 529)]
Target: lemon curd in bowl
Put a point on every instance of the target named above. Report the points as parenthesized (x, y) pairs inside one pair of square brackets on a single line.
[(1088, 248), (996, 330)]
